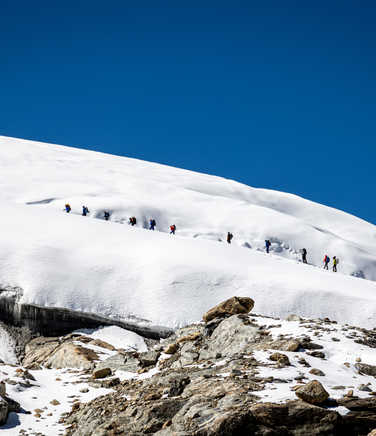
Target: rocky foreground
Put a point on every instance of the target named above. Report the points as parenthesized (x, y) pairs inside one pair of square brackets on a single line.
[(235, 373)]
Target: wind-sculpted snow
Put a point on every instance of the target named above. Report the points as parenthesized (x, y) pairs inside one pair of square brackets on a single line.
[(112, 269)]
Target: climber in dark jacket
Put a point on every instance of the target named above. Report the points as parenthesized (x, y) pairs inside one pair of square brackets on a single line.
[(229, 237), (106, 215), (304, 255), (85, 211), (267, 245)]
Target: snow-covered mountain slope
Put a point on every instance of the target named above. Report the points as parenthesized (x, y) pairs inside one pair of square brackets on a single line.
[(88, 264)]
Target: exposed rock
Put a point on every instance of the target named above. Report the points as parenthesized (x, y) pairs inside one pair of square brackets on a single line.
[(105, 383), (72, 356), (282, 359), (293, 317), (3, 411), (232, 336), (102, 344), (358, 404), (232, 306), (312, 392), (26, 374), (211, 326), (54, 402), (101, 373), (2, 389), (191, 337), (317, 372), (122, 361), (318, 354), (307, 344), (364, 388), (285, 345), (53, 353), (148, 358), (38, 350), (171, 349), (363, 368)]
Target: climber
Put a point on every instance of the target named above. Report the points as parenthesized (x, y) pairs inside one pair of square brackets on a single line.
[(132, 221), (85, 211), (326, 261), (267, 245), (335, 263), (172, 229), (304, 255), (152, 224), (68, 208), (106, 215), (229, 237)]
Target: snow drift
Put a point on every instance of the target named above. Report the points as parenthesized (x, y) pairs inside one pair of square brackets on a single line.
[(87, 264)]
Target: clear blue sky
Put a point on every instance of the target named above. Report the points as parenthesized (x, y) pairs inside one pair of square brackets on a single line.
[(275, 94)]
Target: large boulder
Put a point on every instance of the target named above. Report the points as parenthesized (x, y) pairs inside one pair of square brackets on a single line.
[(232, 306), (58, 353), (312, 393), (72, 356)]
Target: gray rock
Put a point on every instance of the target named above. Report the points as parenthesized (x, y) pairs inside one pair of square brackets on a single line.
[(233, 335), (150, 358), (123, 362)]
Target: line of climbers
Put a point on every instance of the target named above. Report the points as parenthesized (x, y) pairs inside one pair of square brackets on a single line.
[(152, 224), (132, 220), (304, 257)]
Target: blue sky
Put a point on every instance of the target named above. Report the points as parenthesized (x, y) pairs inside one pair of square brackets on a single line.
[(274, 94)]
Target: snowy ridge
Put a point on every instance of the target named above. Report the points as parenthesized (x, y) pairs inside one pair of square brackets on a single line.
[(86, 264)]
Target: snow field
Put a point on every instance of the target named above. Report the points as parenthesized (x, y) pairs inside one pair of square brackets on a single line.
[(81, 263)]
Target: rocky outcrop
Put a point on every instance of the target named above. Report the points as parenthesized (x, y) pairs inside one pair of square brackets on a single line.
[(218, 378), (232, 306), (59, 353)]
